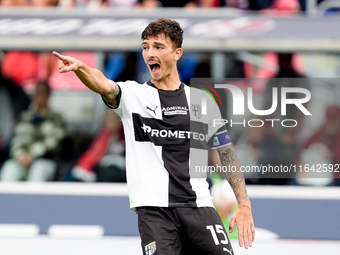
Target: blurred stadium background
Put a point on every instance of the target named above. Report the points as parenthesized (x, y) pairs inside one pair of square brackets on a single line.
[(66, 218)]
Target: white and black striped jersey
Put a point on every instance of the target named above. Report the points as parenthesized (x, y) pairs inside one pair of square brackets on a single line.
[(167, 134)]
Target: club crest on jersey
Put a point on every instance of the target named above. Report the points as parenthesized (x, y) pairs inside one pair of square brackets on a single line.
[(197, 110), (150, 248)]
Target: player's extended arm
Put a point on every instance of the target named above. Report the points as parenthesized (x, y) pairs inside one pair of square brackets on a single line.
[(93, 78), (242, 216)]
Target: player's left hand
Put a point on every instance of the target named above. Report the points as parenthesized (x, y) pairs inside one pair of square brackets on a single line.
[(245, 225)]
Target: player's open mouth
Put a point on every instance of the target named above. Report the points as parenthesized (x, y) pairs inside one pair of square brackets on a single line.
[(155, 68)]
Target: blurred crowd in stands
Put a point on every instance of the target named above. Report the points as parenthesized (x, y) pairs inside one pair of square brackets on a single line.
[(36, 145), (291, 6)]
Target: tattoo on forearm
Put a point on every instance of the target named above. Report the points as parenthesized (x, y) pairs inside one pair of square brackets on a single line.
[(234, 175), (228, 157), (112, 96)]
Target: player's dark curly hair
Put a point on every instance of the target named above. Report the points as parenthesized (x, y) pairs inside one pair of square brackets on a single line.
[(170, 28)]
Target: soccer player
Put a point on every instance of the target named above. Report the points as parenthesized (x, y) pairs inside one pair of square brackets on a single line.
[(175, 209)]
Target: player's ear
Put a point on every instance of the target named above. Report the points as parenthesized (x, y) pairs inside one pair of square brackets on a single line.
[(178, 53)]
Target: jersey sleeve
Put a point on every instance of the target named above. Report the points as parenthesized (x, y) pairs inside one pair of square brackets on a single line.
[(220, 139), (126, 89), (217, 128), (118, 100)]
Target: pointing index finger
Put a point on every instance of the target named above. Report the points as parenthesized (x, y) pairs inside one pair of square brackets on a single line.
[(58, 55)]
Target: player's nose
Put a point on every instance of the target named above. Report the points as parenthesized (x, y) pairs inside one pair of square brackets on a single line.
[(150, 53)]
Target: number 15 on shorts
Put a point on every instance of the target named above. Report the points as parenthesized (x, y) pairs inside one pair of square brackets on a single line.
[(218, 229)]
